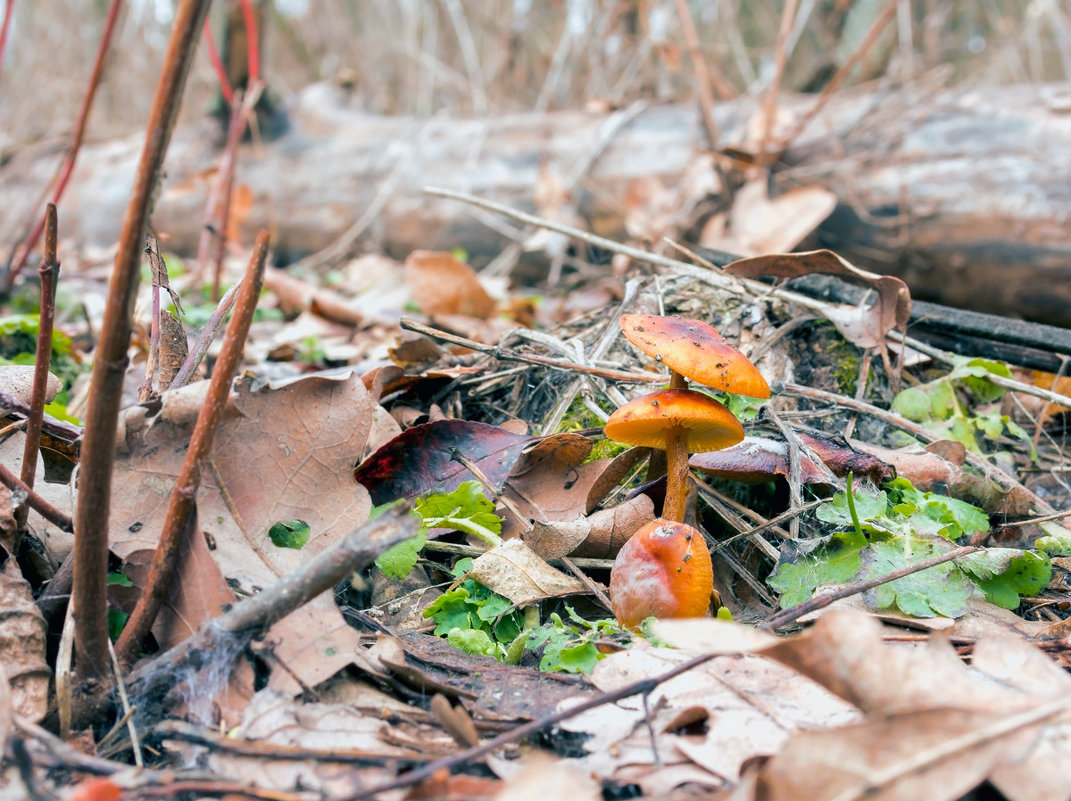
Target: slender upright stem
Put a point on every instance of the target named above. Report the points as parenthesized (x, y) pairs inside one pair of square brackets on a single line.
[(180, 522), (66, 169), (42, 360), (676, 474), (89, 593)]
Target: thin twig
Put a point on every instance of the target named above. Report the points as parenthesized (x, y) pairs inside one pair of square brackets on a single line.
[(502, 354), (769, 105), (794, 613), (914, 429), (204, 339), (42, 360), (35, 501), (66, 169), (999, 380), (841, 74), (180, 522), (110, 356)]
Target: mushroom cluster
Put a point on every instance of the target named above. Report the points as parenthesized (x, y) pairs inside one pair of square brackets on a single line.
[(664, 569)]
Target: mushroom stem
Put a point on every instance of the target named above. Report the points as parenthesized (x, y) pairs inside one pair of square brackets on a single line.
[(677, 381), (676, 474)]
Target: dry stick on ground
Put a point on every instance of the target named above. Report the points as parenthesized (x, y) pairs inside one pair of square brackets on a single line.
[(110, 356), (794, 613), (180, 521), (67, 167), (42, 360), (470, 755)]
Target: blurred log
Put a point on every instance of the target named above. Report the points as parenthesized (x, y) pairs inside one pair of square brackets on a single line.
[(963, 194)]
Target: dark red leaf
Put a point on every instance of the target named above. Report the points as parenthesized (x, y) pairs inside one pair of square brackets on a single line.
[(420, 459)]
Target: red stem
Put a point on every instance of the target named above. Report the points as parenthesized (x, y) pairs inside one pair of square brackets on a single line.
[(254, 44), (180, 522), (217, 65), (9, 12), (89, 593), (67, 168)]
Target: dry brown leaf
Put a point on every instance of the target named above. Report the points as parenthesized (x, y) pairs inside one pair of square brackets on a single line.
[(609, 529), (747, 706), (281, 454), (22, 644), (756, 224), (274, 719), (173, 349), (443, 285), (864, 326), (513, 570), (900, 758)]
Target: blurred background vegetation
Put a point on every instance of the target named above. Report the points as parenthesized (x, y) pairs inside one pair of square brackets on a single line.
[(475, 57)]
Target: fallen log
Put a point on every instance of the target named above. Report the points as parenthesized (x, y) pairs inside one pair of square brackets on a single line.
[(964, 194)]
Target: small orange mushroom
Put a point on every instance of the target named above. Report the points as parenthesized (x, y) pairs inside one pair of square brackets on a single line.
[(664, 570), (693, 349), (680, 421)]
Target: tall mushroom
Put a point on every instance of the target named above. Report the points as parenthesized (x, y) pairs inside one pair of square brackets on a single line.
[(678, 421), (690, 349)]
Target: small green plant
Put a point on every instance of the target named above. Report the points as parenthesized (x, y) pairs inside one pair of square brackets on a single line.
[(479, 621), (942, 405), (465, 509), (475, 619), (881, 531)]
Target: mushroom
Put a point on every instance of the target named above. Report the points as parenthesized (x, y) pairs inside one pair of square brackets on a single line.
[(679, 421), (663, 570), (693, 349)]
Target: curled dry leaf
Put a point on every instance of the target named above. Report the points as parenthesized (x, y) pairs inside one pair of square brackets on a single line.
[(442, 284), (22, 646), (863, 326)]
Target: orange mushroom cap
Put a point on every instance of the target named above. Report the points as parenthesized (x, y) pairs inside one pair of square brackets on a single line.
[(644, 421), (696, 351), (663, 570)]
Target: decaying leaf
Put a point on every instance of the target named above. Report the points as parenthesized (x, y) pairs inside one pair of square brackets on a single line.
[(934, 727), (757, 224), (281, 454), (865, 326), (709, 721), (421, 459), (22, 647), (513, 570), (442, 284)]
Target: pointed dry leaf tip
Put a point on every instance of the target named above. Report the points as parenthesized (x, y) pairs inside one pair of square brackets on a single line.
[(647, 421), (663, 570), (695, 350)]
